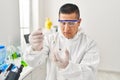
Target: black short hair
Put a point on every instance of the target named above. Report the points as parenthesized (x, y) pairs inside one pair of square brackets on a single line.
[(69, 8)]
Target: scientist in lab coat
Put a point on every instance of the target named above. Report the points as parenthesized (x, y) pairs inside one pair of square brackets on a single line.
[(69, 54)]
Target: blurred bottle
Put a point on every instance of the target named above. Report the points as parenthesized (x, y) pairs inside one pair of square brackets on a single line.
[(12, 53), (2, 54), (48, 24)]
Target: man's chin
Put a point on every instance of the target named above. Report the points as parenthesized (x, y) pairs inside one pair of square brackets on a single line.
[(68, 37)]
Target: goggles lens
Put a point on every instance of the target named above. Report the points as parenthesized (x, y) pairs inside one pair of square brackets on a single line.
[(69, 22)]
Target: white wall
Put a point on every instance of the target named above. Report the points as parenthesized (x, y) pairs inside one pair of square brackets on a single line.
[(9, 22), (100, 19)]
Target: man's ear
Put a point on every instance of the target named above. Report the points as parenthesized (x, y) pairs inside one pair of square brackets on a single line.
[(79, 22)]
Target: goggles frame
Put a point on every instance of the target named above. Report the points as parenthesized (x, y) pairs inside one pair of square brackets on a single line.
[(69, 22)]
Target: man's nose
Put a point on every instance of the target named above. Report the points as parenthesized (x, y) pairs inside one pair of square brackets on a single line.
[(66, 28)]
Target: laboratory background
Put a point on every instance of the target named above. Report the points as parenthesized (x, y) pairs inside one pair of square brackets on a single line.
[(100, 20)]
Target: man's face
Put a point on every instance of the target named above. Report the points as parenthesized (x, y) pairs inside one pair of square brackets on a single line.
[(69, 24)]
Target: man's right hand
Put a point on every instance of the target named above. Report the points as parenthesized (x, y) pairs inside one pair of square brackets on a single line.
[(36, 39)]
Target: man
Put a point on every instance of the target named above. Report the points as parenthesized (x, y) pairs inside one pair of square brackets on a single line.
[(70, 54)]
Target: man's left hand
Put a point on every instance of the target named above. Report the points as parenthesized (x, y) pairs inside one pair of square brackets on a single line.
[(63, 61)]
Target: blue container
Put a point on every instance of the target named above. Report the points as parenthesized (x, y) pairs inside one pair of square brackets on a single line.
[(2, 54)]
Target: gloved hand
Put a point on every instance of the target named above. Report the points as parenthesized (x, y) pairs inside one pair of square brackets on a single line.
[(36, 39), (61, 61)]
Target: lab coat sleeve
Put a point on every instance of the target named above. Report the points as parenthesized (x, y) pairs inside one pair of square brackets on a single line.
[(86, 69), (36, 58)]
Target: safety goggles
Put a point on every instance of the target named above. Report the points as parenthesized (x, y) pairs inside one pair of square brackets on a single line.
[(71, 23)]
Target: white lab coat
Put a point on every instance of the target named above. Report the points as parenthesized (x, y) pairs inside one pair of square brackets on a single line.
[(84, 57)]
